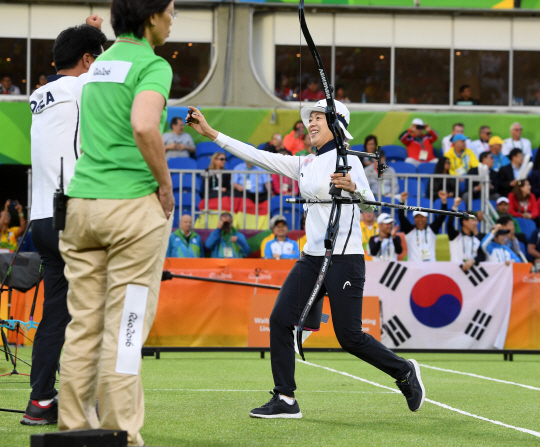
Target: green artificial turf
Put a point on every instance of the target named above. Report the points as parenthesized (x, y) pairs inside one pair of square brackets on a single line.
[(203, 399)]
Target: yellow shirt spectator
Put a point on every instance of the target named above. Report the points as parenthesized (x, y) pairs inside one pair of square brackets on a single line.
[(270, 237), (301, 242), (367, 232), (461, 158)]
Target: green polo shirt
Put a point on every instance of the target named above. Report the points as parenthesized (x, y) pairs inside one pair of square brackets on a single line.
[(111, 165)]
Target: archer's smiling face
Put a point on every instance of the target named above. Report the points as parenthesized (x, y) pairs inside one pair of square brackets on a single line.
[(318, 129)]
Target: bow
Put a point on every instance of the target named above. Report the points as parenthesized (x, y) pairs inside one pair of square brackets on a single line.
[(12, 324), (342, 149)]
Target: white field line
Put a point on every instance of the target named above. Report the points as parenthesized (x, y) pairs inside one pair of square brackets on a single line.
[(448, 407), (190, 390), (482, 377)]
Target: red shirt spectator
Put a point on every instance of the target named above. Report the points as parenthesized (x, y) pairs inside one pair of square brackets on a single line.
[(522, 202), (312, 92), (285, 186), (419, 144)]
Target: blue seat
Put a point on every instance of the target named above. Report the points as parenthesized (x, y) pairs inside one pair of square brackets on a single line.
[(395, 153), (187, 182), (186, 200), (261, 146), (437, 204), (477, 205), (203, 163), (178, 213), (288, 210), (527, 226), (182, 163), (358, 147), (534, 152), (232, 163), (403, 168), (426, 168), (207, 149)]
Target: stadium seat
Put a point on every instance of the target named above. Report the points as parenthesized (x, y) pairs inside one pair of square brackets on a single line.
[(534, 151), (426, 168), (288, 210), (187, 182), (358, 147), (261, 146), (182, 163), (395, 153), (403, 168), (207, 149), (232, 163), (203, 163), (527, 226), (477, 205)]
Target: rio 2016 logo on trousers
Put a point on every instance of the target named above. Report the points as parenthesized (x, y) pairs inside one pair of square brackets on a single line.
[(436, 300)]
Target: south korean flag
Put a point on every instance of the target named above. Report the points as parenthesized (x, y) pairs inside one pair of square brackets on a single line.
[(435, 305)]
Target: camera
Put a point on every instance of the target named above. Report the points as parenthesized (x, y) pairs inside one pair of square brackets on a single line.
[(226, 226), (11, 206), (420, 126)]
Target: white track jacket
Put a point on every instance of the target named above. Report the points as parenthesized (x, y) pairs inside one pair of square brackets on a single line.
[(313, 175)]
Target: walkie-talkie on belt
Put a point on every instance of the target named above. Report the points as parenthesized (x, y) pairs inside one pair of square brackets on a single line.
[(60, 202)]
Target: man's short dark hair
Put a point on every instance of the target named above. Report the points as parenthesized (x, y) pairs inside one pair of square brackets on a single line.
[(483, 128), (226, 215), (457, 124), (484, 155), (128, 16), (514, 152), (175, 120), (382, 154), (503, 220), (72, 43), (5, 75), (463, 87)]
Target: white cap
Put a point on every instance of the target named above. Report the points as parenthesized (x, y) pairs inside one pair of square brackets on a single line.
[(502, 199), (419, 213), (276, 219), (418, 121), (384, 218), (343, 114)]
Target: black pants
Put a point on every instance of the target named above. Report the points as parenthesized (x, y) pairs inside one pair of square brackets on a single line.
[(346, 306), (51, 330)]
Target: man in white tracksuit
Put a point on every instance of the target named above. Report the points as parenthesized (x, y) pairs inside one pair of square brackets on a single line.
[(344, 281)]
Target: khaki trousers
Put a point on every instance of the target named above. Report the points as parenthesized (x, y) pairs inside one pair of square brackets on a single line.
[(114, 252)]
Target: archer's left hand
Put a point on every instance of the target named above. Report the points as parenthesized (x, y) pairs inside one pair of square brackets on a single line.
[(343, 182)]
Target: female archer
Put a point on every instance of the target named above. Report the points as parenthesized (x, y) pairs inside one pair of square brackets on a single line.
[(345, 278)]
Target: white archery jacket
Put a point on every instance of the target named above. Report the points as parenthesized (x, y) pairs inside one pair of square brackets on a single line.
[(313, 175)]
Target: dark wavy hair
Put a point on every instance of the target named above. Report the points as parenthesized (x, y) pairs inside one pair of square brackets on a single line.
[(369, 138), (128, 16)]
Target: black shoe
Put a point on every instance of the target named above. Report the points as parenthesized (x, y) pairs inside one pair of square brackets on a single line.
[(37, 414), (412, 387), (277, 408)]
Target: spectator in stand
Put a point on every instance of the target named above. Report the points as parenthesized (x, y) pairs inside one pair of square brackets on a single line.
[(280, 247), (536, 100), (275, 144), (482, 144), (421, 237), (386, 246), (495, 249), (533, 248), (509, 174), (303, 239), (42, 80), (370, 145), (282, 184), (294, 140), (517, 245), (419, 143), (10, 235), (441, 184), (184, 242), (178, 143), (495, 147), (486, 159), (461, 158), (308, 147), (464, 244), (251, 183), (217, 163), (447, 141), (312, 92), (341, 95), (226, 241), (516, 141), (369, 227), (502, 210), (283, 91), (7, 87), (534, 177), (465, 97), (523, 203), (388, 182)]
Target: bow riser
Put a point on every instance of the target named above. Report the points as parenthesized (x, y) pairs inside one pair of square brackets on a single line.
[(12, 324)]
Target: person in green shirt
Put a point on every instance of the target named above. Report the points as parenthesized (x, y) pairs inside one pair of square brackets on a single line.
[(117, 224)]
